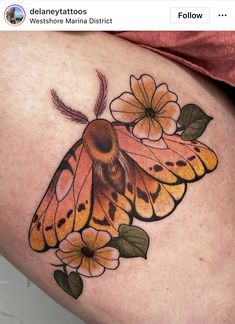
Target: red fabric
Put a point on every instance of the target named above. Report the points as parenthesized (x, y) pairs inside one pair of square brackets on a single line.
[(209, 52)]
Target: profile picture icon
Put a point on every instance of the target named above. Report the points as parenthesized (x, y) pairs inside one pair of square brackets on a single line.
[(15, 15)]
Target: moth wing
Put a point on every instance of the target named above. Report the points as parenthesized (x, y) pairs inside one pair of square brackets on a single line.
[(67, 202), (178, 161), (152, 200), (143, 156), (194, 152), (110, 208)]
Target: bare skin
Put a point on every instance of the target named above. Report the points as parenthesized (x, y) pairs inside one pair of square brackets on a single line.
[(189, 274)]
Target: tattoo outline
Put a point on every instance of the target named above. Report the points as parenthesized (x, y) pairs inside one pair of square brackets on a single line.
[(135, 167)]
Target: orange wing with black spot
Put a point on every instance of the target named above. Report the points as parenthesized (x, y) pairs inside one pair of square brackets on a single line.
[(142, 197), (66, 206), (156, 178), (143, 182), (178, 161), (110, 207), (151, 199)]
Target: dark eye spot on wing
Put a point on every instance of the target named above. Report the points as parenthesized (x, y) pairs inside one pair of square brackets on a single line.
[(69, 213), (35, 218), (191, 158), (155, 194), (81, 207), (114, 195), (130, 187), (103, 221), (196, 149), (112, 210), (38, 226), (48, 228), (142, 195), (181, 163), (168, 163), (157, 168), (61, 222)]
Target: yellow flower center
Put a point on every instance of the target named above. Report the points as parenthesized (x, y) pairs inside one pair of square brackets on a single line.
[(149, 112), (87, 252)]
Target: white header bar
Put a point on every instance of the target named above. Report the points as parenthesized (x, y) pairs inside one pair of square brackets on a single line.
[(117, 15)]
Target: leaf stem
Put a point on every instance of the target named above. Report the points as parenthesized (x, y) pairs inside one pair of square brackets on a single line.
[(179, 129), (65, 270)]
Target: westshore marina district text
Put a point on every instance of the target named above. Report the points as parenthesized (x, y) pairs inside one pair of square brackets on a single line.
[(71, 21)]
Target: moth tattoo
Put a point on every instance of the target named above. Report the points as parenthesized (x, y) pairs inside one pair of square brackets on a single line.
[(136, 167)]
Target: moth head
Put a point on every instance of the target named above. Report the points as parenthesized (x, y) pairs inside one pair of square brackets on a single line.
[(100, 141)]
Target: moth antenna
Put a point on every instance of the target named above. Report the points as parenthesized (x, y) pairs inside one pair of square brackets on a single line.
[(101, 100), (74, 115)]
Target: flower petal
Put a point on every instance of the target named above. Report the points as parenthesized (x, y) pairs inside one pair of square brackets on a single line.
[(74, 263), (62, 255), (168, 125), (170, 110), (143, 89), (72, 259), (147, 128), (72, 242), (141, 128), (161, 96), (126, 108), (95, 239), (107, 257), (155, 132), (90, 268), (109, 264), (108, 252)]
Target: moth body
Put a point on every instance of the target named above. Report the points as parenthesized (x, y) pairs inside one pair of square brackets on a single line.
[(101, 143)]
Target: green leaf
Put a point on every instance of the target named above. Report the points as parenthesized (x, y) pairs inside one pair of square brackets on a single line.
[(194, 121), (71, 284), (132, 242)]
